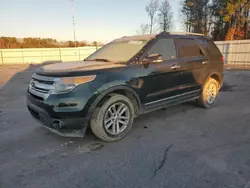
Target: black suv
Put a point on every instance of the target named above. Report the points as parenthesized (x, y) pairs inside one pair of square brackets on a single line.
[(125, 78)]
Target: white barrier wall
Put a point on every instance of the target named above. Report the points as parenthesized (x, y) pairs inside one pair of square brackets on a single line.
[(39, 55), (234, 52)]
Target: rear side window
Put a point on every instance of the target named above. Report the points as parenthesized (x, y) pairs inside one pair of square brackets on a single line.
[(165, 47), (210, 47), (188, 48)]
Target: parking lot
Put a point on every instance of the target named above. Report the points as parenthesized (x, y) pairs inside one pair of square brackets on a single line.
[(180, 147)]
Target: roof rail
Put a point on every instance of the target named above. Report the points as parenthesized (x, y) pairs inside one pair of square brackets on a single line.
[(186, 33)]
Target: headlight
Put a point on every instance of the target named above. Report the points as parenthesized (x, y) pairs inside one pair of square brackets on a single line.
[(67, 84)]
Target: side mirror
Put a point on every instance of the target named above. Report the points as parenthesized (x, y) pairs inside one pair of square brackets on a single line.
[(153, 58)]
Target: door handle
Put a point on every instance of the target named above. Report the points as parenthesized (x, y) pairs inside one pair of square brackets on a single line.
[(158, 61), (174, 67), (205, 62)]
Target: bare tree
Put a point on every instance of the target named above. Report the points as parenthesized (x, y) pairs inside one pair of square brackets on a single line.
[(165, 16), (144, 29), (151, 9)]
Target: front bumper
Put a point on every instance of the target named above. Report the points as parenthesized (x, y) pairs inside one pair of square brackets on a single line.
[(65, 126)]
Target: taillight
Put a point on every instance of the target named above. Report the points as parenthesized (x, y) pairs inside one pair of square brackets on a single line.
[(222, 59)]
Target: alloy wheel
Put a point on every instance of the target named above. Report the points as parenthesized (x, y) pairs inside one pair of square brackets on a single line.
[(116, 118), (211, 93)]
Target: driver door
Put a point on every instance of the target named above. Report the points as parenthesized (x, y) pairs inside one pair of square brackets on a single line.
[(162, 78)]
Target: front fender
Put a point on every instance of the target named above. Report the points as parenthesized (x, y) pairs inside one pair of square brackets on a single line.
[(103, 92)]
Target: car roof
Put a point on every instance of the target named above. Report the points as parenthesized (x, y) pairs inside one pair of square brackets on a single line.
[(149, 37), (136, 37)]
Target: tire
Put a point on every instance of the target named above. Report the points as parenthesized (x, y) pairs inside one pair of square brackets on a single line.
[(210, 89), (100, 121)]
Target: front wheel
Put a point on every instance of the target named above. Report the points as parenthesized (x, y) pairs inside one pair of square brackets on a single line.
[(209, 93), (114, 119)]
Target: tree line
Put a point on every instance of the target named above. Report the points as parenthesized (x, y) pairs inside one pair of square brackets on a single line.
[(219, 19), (13, 42), (160, 16)]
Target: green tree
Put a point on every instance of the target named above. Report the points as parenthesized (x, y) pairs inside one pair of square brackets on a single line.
[(197, 15), (165, 16), (10, 42), (144, 29), (71, 44), (236, 14), (151, 9), (29, 42), (219, 18)]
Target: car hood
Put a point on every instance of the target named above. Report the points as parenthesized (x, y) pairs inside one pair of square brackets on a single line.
[(79, 66)]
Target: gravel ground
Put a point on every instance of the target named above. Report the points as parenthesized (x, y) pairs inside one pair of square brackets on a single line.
[(181, 147)]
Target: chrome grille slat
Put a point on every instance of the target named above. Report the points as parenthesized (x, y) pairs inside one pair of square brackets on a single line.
[(39, 90), (37, 93), (44, 82), (46, 87), (41, 86), (44, 78)]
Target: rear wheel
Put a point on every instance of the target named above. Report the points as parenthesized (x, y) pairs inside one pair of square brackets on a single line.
[(114, 119), (209, 93)]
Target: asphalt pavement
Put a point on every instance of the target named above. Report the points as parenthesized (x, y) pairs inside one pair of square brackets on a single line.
[(179, 147)]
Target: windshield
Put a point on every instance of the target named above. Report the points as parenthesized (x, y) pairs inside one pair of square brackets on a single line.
[(121, 51)]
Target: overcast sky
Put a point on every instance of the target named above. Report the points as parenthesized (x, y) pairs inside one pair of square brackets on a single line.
[(100, 20)]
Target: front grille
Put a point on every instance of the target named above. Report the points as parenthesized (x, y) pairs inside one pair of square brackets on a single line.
[(36, 97), (44, 82), (41, 86)]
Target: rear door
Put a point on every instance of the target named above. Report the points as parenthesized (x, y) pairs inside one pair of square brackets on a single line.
[(193, 62)]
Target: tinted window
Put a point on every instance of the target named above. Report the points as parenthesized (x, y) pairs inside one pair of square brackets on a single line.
[(165, 47), (210, 47), (188, 48)]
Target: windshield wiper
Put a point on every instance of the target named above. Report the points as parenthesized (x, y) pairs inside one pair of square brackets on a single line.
[(105, 60)]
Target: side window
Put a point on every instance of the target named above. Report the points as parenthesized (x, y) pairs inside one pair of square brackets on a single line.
[(204, 44), (165, 47), (209, 47), (213, 49), (188, 48)]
